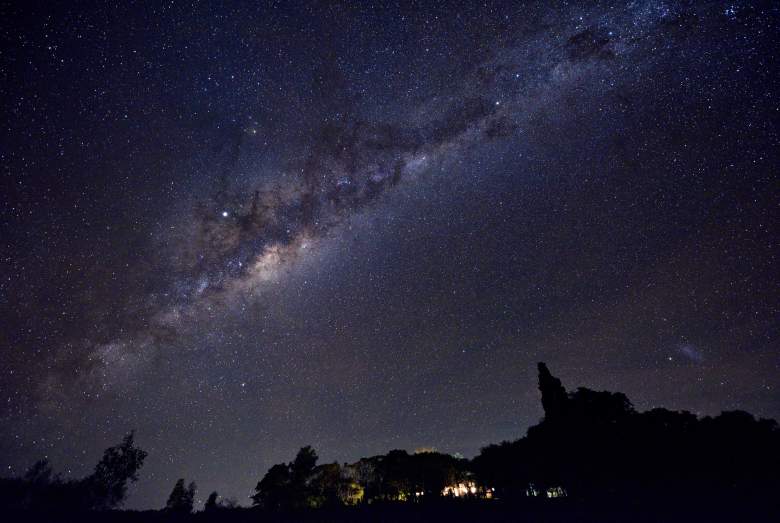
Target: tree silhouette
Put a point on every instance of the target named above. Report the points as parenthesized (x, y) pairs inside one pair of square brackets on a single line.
[(596, 447), (211, 502), (181, 499), (554, 399), (272, 492), (289, 486), (118, 466), (42, 491), (40, 473), (592, 446), (325, 485), (303, 465), (301, 470)]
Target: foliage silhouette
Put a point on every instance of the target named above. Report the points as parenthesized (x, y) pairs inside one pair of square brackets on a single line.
[(273, 491), (211, 502), (593, 448), (120, 464), (106, 488), (40, 473), (596, 446), (181, 499)]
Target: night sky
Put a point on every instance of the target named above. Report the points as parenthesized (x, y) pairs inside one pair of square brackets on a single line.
[(240, 229)]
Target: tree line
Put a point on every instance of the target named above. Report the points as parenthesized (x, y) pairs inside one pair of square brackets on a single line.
[(106, 488), (591, 446)]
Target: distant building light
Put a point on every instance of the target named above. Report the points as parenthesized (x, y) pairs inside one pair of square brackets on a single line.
[(552, 492), (556, 492), (469, 488)]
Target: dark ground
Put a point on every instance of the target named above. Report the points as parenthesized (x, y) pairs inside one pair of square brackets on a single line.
[(532, 511)]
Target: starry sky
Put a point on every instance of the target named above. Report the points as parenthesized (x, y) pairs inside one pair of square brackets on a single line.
[(242, 228)]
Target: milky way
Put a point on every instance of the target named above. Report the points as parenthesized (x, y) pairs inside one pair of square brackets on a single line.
[(242, 230)]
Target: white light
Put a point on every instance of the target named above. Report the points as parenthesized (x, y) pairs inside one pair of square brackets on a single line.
[(224, 214)]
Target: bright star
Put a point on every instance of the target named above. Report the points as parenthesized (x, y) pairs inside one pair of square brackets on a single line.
[(224, 214)]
